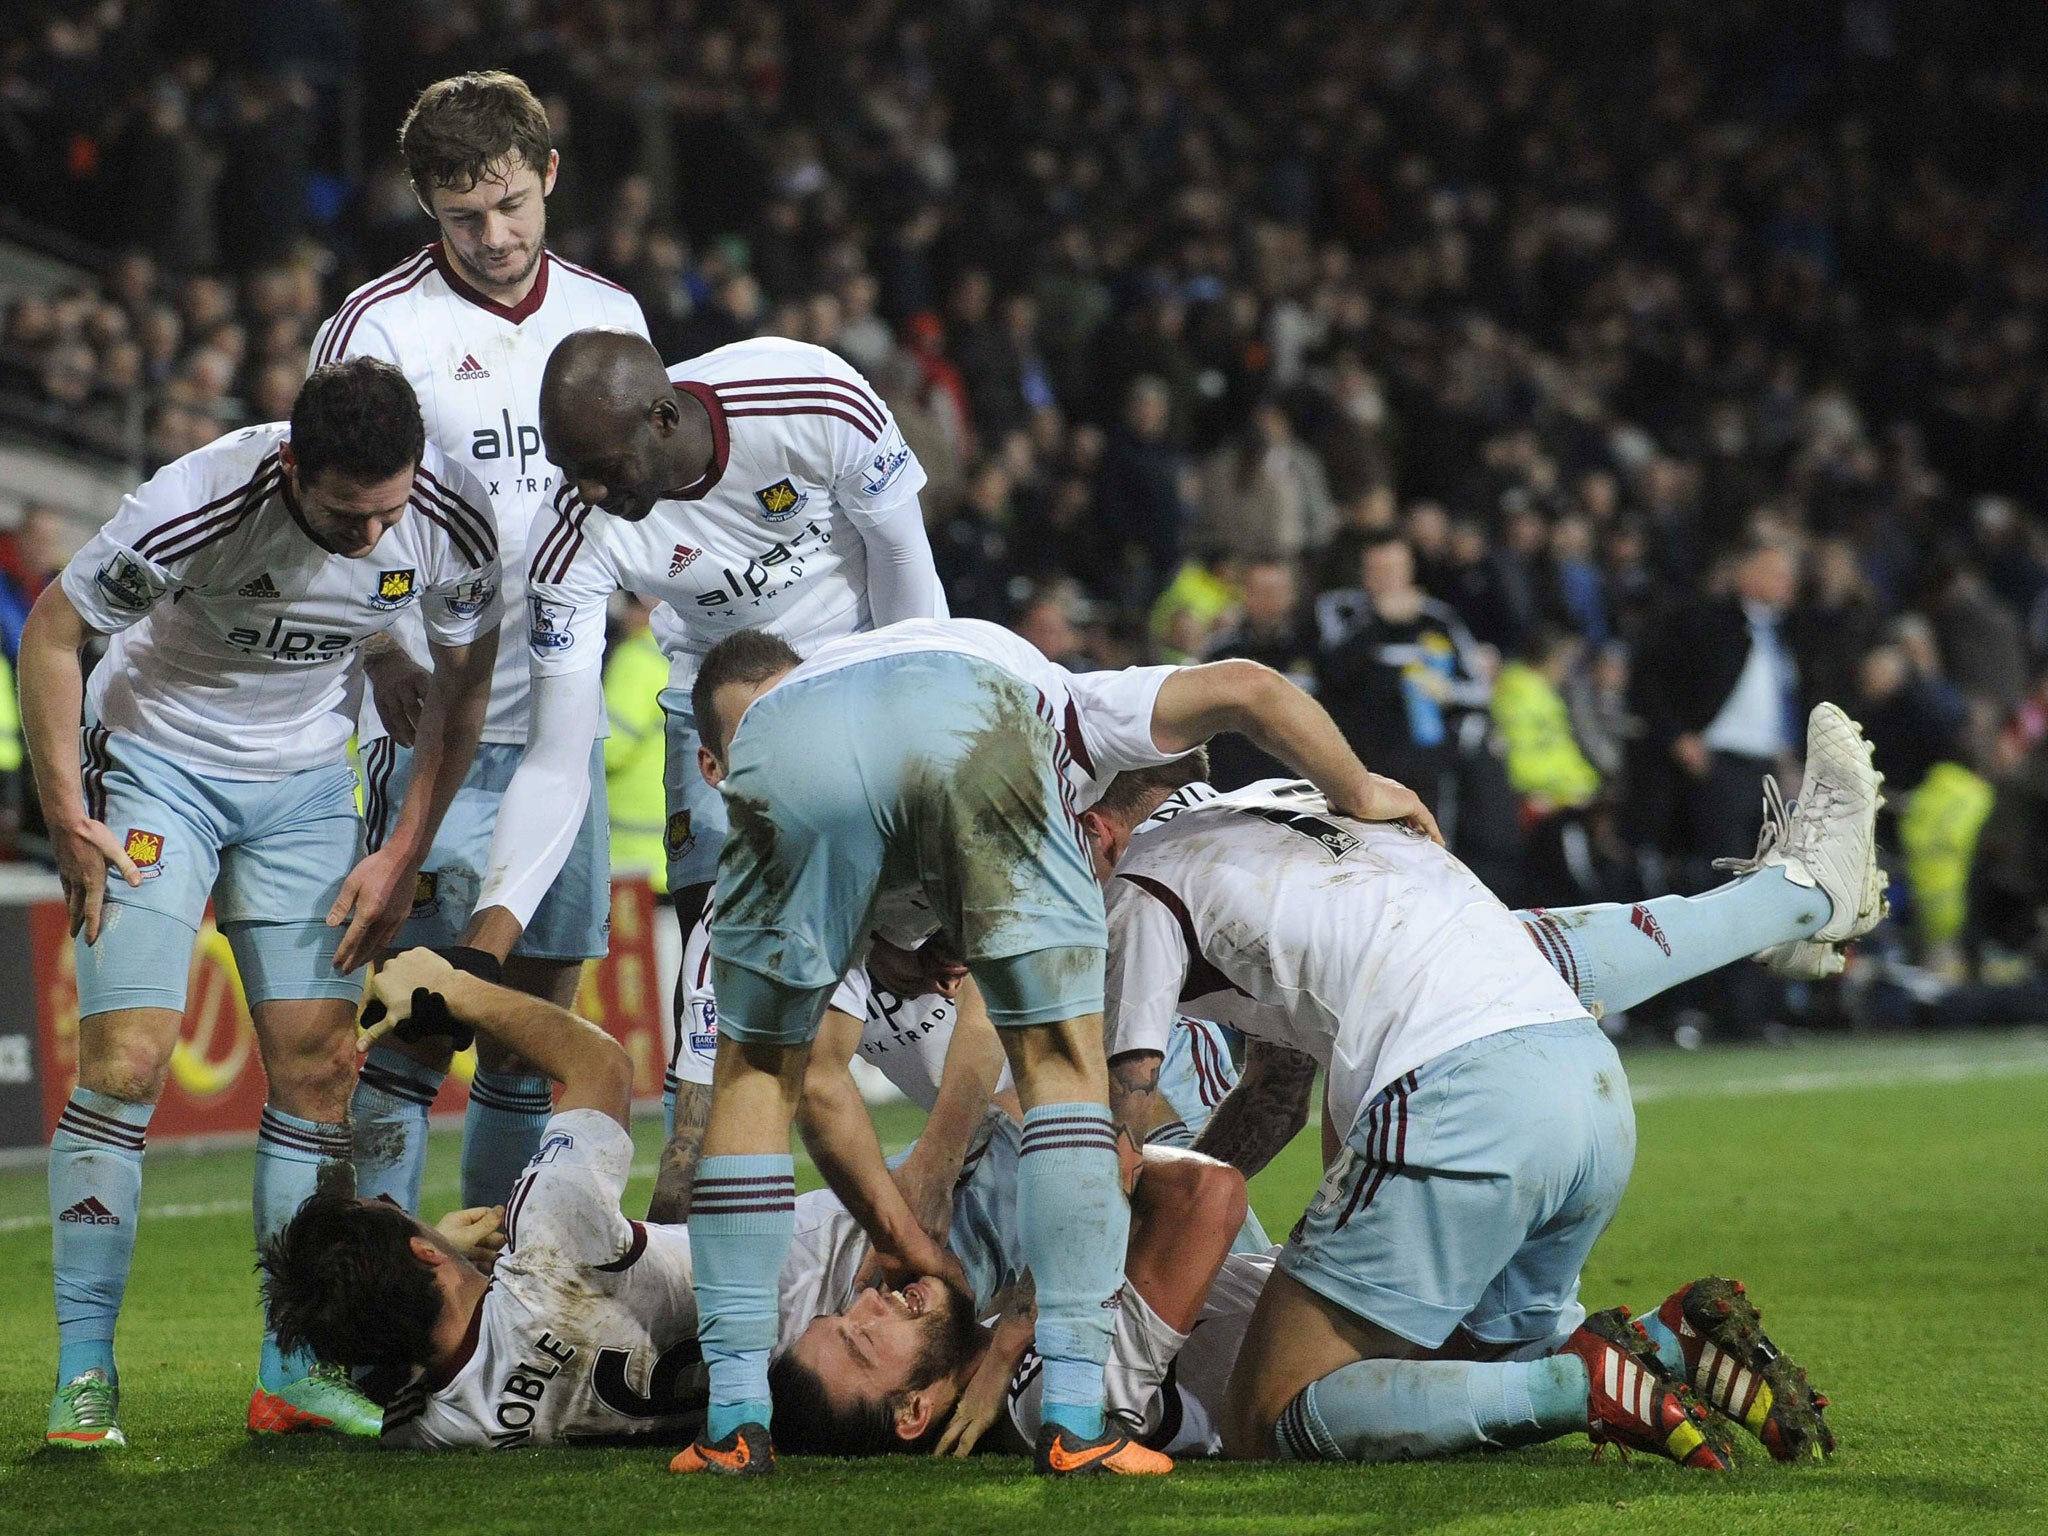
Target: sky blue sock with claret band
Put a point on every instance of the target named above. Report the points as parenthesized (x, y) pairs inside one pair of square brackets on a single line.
[(1620, 956), (742, 1216), (95, 1201), (1074, 1223)]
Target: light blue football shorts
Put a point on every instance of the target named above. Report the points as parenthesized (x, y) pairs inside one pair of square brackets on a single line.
[(1470, 1190), (574, 918), (272, 854), (931, 772), (696, 812)]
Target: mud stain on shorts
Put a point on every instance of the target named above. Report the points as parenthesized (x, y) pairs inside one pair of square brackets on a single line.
[(1004, 806)]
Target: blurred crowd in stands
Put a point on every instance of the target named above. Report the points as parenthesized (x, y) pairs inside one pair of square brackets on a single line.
[(1570, 395)]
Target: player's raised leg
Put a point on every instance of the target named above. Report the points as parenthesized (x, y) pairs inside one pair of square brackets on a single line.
[(1813, 885)]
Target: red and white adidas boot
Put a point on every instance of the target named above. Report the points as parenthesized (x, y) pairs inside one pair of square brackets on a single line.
[(1731, 1363), (1632, 1401)]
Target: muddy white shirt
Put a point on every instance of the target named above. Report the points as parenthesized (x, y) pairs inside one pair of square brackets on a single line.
[(1369, 948), (589, 1329), (236, 631), (807, 467), (476, 366)]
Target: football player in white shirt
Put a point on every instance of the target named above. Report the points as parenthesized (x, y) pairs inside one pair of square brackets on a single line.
[(585, 1325), (471, 320), (761, 485), (238, 585), (925, 776), (1479, 1120)]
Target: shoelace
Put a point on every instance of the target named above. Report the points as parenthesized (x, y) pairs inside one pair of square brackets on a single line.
[(1777, 831), (92, 1402)]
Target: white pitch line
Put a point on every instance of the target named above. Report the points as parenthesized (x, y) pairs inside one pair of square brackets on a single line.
[(1955, 1067)]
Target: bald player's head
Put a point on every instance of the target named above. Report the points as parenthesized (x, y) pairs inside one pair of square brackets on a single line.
[(616, 426)]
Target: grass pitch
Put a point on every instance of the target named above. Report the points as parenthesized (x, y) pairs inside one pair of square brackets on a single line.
[(1888, 1205)]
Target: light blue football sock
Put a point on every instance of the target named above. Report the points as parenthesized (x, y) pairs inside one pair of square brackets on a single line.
[(95, 1202), (501, 1132), (742, 1216), (1074, 1224), (294, 1157), (389, 1113), (1620, 956), (1399, 1410)]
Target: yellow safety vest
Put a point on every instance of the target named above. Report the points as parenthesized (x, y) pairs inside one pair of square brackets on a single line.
[(635, 672), (1543, 757)]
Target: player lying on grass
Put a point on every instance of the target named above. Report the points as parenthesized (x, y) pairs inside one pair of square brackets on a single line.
[(958, 758), (585, 1326), (1428, 1299)]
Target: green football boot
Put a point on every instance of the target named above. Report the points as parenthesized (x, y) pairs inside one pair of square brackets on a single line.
[(322, 1399), (82, 1415)]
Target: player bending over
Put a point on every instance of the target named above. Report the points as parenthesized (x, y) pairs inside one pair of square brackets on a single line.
[(1427, 1302), (762, 485), (960, 760), (238, 585)]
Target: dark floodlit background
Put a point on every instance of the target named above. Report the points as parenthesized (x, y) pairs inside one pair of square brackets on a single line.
[(1644, 328)]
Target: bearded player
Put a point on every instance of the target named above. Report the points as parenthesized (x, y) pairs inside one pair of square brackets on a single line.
[(471, 320)]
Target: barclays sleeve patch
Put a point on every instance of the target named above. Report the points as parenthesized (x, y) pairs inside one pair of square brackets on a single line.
[(884, 469), (550, 627)]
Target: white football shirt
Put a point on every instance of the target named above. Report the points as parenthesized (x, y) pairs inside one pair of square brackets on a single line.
[(589, 1329), (235, 632), (476, 366), (904, 1038), (805, 456), (1369, 948)]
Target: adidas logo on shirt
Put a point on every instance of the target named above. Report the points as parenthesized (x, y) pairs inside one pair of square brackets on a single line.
[(682, 559), (470, 368), (91, 1213), (262, 586)]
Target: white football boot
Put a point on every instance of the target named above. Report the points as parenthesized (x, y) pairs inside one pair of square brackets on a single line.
[(1827, 841)]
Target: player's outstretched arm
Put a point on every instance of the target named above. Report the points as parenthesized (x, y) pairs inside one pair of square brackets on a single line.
[(592, 1067), (1196, 703), (52, 685), (542, 809), (378, 892), (834, 1121), (670, 1202), (1264, 1111), (967, 1081)]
